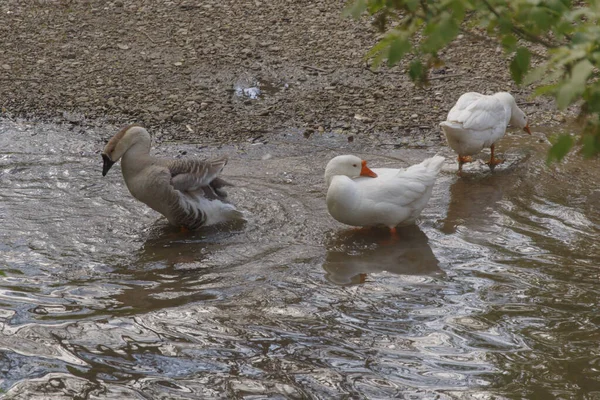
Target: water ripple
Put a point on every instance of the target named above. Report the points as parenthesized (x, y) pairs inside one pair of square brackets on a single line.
[(493, 295)]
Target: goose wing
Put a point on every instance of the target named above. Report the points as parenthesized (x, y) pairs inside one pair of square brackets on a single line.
[(399, 191), (188, 175), (478, 113)]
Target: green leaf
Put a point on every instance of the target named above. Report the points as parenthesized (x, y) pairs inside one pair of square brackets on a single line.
[(412, 4), (509, 42), (2, 273), (375, 6), (543, 90), (565, 95), (416, 71), (581, 71), (560, 149), (536, 74), (458, 9), (355, 8), (440, 34), (398, 48), (591, 145), (575, 86), (505, 25), (520, 64), (379, 51), (540, 18), (592, 98)]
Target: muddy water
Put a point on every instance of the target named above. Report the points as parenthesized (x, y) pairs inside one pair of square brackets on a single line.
[(494, 294)]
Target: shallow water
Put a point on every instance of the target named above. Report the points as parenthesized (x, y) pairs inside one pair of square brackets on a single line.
[(493, 295)]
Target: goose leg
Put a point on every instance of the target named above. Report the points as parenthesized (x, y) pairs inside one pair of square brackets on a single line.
[(392, 239), (493, 161), (461, 161), (362, 278)]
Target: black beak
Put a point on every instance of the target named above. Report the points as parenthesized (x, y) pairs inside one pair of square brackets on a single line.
[(107, 164)]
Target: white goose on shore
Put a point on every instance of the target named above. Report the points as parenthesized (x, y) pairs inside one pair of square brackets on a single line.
[(188, 192), (359, 196), (477, 121)]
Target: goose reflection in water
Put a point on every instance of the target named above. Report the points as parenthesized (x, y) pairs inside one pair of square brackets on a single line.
[(169, 270), (353, 254), (474, 201)]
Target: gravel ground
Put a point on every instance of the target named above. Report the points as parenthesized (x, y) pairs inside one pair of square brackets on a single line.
[(187, 68)]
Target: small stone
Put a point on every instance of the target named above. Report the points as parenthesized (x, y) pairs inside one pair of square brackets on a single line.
[(559, 118), (5, 66), (203, 105), (414, 116), (178, 64), (123, 46), (178, 117), (74, 118), (330, 88), (56, 383), (362, 118), (153, 109)]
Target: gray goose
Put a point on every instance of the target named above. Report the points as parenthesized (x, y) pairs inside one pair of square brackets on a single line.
[(188, 192)]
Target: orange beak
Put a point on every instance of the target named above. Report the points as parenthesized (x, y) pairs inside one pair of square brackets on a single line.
[(365, 171), (526, 129)]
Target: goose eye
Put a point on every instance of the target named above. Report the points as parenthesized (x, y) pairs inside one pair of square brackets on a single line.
[(354, 165)]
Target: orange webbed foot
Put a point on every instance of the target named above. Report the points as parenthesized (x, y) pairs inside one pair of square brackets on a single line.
[(461, 161), (493, 162)]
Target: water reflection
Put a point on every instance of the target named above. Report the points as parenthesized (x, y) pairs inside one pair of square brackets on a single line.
[(169, 270), (354, 254), (474, 199), (128, 307)]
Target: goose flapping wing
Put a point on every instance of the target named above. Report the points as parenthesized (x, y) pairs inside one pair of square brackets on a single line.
[(188, 175)]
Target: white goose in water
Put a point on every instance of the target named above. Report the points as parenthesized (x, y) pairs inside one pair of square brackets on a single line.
[(188, 192), (359, 196), (477, 121)]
